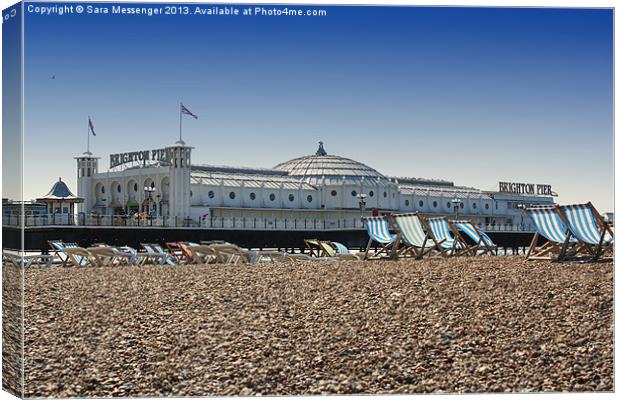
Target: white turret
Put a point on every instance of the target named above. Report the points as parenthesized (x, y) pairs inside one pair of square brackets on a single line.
[(87, 166), (180, 167)]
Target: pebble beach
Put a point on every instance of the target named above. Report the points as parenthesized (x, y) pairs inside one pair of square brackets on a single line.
[(487, 324)]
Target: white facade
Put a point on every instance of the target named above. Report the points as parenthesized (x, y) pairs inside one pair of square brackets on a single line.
[(318, 187)]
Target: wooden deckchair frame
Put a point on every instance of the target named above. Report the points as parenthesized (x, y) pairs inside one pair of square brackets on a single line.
[(452, 251), (314, 247), (410, 250), (596, 251)]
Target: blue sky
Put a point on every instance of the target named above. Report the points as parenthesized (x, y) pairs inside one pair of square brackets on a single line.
[(473, 95)]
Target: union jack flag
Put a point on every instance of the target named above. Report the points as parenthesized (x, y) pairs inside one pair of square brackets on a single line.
[(184, 110), (91, 126)]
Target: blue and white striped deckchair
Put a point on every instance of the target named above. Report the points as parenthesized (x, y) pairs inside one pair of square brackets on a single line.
[(340, 248), (77, 256), (156, 249), (480, 237), (417, 242), (378, 229), (449, 241), (549, 224), (586, 225)]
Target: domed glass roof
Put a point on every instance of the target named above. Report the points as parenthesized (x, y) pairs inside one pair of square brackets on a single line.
[(322, 165)]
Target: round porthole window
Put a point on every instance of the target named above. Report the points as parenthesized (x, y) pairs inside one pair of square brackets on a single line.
[(232, 195), (371, 193), (309, 198), (434, 204), (211, 194), (272, 197), (252, 196), (291, 197), (421, 203), (462, 205), (354, 193), (407, 203), (334, 193), (448, 205)]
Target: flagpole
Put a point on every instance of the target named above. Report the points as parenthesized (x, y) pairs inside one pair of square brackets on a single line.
[(180, 123), (88, 138)]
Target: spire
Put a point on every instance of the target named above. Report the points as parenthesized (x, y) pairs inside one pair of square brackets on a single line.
[(321, 151)]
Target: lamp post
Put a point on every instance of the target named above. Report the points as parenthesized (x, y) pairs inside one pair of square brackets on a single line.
[(149, 195), (362, 204), (456, 203)]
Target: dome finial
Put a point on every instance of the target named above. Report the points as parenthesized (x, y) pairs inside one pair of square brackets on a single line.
[(321, 151)]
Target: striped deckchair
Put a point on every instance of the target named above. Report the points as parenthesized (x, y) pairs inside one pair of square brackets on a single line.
[(587, 226), (480, 237), (343, 252), (378, 229), (549, 224), (417, 243), (450, 242), (156, 250)]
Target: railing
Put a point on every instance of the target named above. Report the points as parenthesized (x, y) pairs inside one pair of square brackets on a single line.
[(236, 223)]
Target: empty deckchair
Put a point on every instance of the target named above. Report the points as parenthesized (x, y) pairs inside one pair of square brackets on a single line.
[(230, 253), (378, 230), (586, 225), (343, 251), (156, 252), (417, 243), (480, 237), (450, 241), (202, 253), (109, 256), (314, 247), (79, 257), (549, 224)]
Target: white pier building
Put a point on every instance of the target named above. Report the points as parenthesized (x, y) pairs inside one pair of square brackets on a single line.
[(317, 191)]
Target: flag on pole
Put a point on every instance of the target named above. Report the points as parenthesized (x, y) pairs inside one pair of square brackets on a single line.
[(91, 126), (184, 110)]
